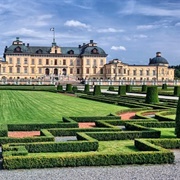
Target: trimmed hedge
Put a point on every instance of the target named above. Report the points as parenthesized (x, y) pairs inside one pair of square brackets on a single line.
[(97, 90), (176, 90), (74, 89), (3, 130), (69, 87), (111, 88), (177, 119), (144, 88), (152, 95), (86, 88), (164, 86), (122, 90), (59, 87), (128, 88)]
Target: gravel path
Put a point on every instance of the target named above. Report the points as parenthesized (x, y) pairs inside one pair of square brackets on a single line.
[(131, 172)]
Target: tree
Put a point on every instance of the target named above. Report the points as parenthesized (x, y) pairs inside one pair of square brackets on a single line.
[(152, 95)]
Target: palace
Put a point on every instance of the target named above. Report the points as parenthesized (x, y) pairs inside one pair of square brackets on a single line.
[(87, 61)]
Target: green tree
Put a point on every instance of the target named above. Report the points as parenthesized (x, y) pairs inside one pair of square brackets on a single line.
[(152, 95)]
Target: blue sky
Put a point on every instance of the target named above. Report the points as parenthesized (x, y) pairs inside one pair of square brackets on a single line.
[(130, 30)]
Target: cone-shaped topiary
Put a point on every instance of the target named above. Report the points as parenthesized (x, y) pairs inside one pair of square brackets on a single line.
[(122, 90), (86, 88), (152, 95), (164, 86), (74, 89), (59, 87), (68, 87), (111, 88), (144, 88), (176, 90), (177, 119), (128, 88), (97, 90)]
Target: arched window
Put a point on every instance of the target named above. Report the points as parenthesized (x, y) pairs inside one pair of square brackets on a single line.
[(39, 51), (94, 51), (17, 49), (71, 52)]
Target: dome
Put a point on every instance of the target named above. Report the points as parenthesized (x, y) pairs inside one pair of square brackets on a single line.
[(158, 60), (93, 50)]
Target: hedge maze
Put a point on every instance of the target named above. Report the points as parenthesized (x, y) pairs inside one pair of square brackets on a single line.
[(112, 141)]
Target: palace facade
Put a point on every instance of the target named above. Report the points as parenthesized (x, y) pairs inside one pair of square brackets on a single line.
[(87, 61)]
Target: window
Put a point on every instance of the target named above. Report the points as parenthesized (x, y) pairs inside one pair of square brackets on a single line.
[(114, 71), (71, 62), (87, 70), (32, 70), (101, 62), (101, 71), (78, 71), (154, 72), (94, 51), (64, 62), (78, 62), (71, 70), (18, 60), (40, 61), (10, 69), (147, 72), (47, 61), (94, 62), (32, 61), (25, 70), (162, 71), (55, 62), (25, 60), (87, 62), (10, 60), (124, 71), (40, 70), (141, 72), (71, 52), (4, 69), (18, 69), (134, 72)]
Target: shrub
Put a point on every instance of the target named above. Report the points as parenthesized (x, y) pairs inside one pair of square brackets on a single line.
[(74, 89), (68, 87), (122, 90), (152, 95), (111, 88), (128, 88), (86, 88), (97, 90), (177, 119), (164, 86), (144, 88), (59, 87), (176, 90)]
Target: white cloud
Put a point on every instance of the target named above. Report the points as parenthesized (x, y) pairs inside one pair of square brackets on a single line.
[(147, 27), (140, 36), (22, 31), (177, 24), (73, 23), (110, 30), (116, 48)]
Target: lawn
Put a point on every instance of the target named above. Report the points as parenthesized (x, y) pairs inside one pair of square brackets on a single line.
[(166, 132), (36, 106)]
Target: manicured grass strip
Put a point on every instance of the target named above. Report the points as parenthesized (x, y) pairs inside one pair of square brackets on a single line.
[(166, 132), (34, 106)]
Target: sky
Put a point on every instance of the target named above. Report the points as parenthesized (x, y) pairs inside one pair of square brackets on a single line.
[(130, 30)]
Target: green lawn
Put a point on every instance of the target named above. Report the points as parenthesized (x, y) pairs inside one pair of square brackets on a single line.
[(35, 106), (166, 132)]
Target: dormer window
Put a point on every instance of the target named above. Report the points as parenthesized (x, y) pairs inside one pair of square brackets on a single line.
[(39, 51), (71, 52), (17, 49), (94, 51)]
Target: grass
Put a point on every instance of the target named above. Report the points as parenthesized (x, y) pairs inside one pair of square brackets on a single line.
[(36, 106), (166, 132)]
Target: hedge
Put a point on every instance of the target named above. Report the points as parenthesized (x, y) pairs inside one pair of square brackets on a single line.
[(164, 86), (69, 87), (74, 89), (128, 88), (3, 130), (122, 90), (90, 159), (97, 90), (177, 119), (59, 87), (86, 88), (152, 95), (144, 88), (111, 88), (176, 90)]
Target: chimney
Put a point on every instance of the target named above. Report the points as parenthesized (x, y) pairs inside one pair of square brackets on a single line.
[(158, 54), (27, 44), (91, 41), (79, 46)]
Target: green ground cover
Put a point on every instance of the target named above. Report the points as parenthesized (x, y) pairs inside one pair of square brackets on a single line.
[(166, 132), (36, 106)]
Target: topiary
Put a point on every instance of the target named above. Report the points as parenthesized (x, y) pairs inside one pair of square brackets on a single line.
[(152, 95), (177, 119), (111, 88), (122, 90), (176, 90), (164, 86), (128, 88), (68, 87), (74, 89), (97, 90), (86, 88), (144, 88), (59, 87)]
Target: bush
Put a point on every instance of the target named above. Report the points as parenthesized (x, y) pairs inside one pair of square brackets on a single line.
[(111, 88), (3, 130), (152, 95), (122, 90), (86, 88), (97, 90), (74, 89), (69, 87), (59, 87), (176, 90), (128, 88), (164, 86), (144, 88)]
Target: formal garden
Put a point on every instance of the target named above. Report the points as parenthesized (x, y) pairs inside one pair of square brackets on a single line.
[(47, 126)]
